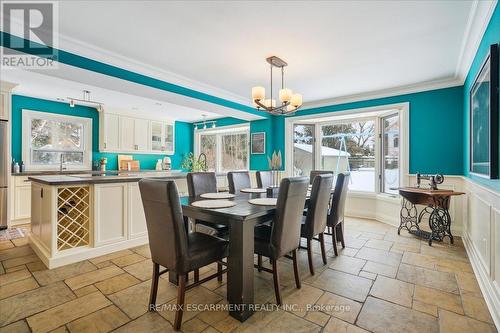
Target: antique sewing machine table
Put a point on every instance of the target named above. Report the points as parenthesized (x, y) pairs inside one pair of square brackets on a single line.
[(437, 203)]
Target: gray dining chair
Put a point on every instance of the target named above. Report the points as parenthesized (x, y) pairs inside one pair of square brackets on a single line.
[(335, 219), (171, 245), (238, 180), (314, 223), (264, 179), (283, 235)]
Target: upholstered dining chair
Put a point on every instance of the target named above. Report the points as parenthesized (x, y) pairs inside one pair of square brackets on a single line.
[(238, 180), (199, 183), (335, 219), (264, 179), (171, 246), (314, 223), (314, 173), (283, 235)]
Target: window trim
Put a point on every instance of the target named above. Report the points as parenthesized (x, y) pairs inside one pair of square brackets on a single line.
[(28, 115), (378, 112), (219, 132)]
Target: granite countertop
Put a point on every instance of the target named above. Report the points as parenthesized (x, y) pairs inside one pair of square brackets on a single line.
[(74, 172), (113, 177)]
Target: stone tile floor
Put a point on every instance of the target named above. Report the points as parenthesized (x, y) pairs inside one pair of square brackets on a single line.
[(381, 282)]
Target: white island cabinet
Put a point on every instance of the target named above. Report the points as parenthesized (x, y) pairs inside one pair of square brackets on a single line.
[(74, 219)]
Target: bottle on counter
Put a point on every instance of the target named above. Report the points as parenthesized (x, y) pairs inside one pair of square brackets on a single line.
[(12, 165), (22, 166), (16, 168), (158, 165)]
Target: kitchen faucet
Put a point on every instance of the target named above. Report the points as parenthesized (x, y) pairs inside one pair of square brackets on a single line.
[(205, 166)]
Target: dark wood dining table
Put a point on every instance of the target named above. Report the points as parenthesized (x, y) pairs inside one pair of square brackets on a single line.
[(241, 219)]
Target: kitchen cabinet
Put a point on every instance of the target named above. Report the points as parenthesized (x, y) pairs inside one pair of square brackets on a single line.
[(110, 213), (20, 200), (110, 132), (126, 134), (136, 217), (141, 134)]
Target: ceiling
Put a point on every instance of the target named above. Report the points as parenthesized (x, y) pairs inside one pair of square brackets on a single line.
[(335, 49)]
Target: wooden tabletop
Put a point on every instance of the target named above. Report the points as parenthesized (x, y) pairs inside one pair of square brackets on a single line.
[(428, 191)]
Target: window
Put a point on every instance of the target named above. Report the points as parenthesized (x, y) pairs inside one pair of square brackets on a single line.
[(349, 146), (303, 149), (226, 149), (48, 136), (370, 144), (390, 153)]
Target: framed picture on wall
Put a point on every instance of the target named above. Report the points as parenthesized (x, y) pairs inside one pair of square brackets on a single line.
[(259, 143), (484, 118)]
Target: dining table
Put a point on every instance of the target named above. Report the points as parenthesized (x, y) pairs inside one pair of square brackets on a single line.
[(241, 219)]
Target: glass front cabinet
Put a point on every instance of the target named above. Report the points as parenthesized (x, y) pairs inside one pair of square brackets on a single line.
[(162, 137)]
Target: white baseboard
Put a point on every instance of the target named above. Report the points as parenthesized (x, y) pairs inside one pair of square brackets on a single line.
[(78, 254), (489, 289)]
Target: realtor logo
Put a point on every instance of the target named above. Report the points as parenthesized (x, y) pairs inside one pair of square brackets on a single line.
[(29, 38)]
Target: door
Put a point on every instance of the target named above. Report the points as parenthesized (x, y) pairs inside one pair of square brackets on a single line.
[(111, 132), (141, 134), (127, 138)]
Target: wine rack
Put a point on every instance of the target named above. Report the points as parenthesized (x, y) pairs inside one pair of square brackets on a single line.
[(73, 217)]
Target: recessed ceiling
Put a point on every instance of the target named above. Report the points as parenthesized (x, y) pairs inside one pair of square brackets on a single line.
[(334, 49)]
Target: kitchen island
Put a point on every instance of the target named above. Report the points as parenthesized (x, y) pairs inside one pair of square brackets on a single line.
[(81, 216)]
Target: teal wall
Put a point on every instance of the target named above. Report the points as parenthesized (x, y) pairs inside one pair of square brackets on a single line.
[(436, 128), (491, 36), (183, 131)]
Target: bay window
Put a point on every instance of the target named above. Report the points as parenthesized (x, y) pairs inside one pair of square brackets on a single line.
[(365, 144)]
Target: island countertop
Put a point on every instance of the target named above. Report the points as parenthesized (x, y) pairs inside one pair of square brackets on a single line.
[(90, 178)]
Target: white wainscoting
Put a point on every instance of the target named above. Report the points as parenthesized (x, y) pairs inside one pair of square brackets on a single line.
[(481, 237)]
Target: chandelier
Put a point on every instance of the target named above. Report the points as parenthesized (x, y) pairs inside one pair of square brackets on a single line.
[(289, 102)]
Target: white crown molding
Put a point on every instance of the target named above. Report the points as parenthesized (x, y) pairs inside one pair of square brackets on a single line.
[(93, 52), (414, 88), (479, 18)]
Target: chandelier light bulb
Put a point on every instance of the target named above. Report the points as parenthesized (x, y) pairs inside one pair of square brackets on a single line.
[(258, 93), (296, 100), (285, 95)]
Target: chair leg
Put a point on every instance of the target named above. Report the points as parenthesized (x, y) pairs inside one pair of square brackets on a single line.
[(341, 234), (180, 301), (219, 272), (309, 256), (334, 240), (322, 244), (296, 269), (196, 275), (276, 281), (259, 263), (154, 286)]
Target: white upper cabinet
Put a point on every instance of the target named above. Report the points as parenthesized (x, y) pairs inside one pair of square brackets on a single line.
[(141, 134), (110, 132), (136, 135), (127, 134)]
